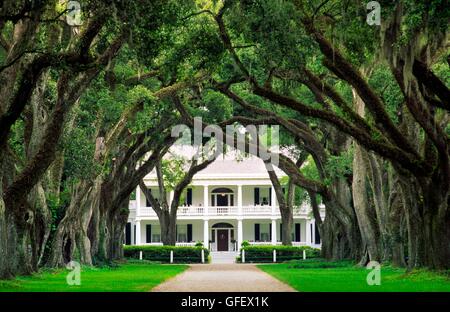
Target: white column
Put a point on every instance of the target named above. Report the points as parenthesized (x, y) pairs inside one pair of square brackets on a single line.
[(274, 200), (138, 232), (308, 232), (239, 199), (138, 200), (274, 231), (240, 235), (205, 199), (206, 233), (132, 233)]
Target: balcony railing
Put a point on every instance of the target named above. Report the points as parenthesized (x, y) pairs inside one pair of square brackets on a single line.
[(254, 210)]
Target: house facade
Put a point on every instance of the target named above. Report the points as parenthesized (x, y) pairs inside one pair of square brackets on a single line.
[(229, 202)]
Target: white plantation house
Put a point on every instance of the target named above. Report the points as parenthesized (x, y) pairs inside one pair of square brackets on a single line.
[(230, 201)]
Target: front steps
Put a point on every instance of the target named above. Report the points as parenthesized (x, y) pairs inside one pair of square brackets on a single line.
[(223, 257)]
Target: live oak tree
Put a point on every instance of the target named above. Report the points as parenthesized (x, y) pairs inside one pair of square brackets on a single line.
[(86, 113), (173, 174), (412, 38)]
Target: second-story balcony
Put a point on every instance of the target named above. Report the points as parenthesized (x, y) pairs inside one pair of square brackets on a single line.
[(232, 211)]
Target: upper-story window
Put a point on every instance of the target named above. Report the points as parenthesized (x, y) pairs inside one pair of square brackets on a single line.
[(222, 197)]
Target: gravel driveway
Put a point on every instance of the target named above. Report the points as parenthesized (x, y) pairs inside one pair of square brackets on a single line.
[(223, 278)]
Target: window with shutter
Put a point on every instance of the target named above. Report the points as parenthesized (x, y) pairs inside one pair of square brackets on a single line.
[(189, 232), (128, 234), (257, 236), (256, 196), (189, 197), (148, 233), (297, 232)]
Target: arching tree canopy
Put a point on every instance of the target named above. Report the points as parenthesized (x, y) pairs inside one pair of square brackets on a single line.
[(86, 111)]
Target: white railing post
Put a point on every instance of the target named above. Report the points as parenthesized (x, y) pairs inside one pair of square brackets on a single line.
[(274, 255), (138, 200), (240, 236), (205, 199), (206, 233), (243, 256), (171, 256), (308, 232), (274, 200), (304, 254), (138, 232), (140, 254), (239, 200), (203, 255)]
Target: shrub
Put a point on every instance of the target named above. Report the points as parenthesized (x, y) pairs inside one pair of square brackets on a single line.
[(162, 253), (284, 253), (245, 244), (319, 263), (199, 244)]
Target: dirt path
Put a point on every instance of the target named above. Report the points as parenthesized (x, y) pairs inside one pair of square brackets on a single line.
[(223, 277)]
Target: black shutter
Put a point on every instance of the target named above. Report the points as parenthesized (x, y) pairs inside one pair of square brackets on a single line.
[(148, 233), (281, 232), (270, 231), (317, 238), (270, 196), (189, 233), (297, 232), (147, 202), (257, 236), (256, 195), (128, 234), (176, 233), (134, 231), (189, 197)]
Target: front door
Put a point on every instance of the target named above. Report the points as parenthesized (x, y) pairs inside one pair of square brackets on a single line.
[(222, 240)]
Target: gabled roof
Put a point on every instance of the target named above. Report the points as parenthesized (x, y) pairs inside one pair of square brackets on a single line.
[(232, 164)]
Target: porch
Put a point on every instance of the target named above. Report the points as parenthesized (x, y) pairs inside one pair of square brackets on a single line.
[(224, 235)]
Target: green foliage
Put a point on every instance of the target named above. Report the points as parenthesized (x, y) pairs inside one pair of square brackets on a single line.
[(162, 253), (173, 171), (284, 253), (323, 264), (340, 166)]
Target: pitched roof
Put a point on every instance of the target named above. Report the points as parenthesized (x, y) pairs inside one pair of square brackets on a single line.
[(230, 164)]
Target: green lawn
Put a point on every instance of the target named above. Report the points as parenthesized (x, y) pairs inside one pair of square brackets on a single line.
[(353, 279), (126, 277)]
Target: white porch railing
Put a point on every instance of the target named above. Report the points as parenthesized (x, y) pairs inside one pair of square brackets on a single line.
[(278, 243), (181, 244), (263, 243), (191, 211), (223, 211), (257, 210)]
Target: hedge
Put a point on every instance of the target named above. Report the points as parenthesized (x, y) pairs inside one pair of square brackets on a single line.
[(284, 253), (162, 253)]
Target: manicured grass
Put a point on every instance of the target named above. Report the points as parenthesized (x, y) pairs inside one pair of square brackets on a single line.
[(126, 277), (353, 279)]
